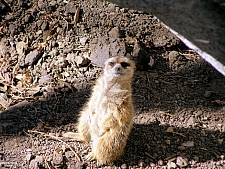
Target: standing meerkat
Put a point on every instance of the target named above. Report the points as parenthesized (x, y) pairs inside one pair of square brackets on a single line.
[(107, 118)]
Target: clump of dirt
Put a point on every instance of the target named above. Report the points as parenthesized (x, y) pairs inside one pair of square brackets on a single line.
[(51, 53)]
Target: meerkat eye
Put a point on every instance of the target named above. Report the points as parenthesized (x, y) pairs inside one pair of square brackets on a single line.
[(124, 64), (112, 64)]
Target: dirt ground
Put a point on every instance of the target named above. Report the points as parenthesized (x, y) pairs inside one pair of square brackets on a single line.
[(51, 53)]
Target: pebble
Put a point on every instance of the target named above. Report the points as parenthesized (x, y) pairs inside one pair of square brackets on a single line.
[(171, 165), (199, 113), (220, 141), (123, 166), (181, 148), (114, 33), (191, 121), (173, 56), (81, 61), (168, 141), (188, 144), (32, 57), (207, 94), (83, 40), (27, 18), (70, 8), (160, 162), (57, 158), (182, 161), (69, 154), (39, 159), (54, 52), (45, 79), (141, 164)]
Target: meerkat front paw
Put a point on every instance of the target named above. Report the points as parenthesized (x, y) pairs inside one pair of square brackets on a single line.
[(91, 157)]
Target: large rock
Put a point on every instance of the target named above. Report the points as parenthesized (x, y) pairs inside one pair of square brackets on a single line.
[(104, 48)]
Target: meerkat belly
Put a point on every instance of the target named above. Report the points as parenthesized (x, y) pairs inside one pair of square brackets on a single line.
[(97, 120)]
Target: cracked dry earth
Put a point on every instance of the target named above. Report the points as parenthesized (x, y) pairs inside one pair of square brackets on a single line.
[(51, 53)]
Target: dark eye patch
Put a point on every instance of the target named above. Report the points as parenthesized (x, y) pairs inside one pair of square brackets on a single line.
[(112, 64), (124, 64)]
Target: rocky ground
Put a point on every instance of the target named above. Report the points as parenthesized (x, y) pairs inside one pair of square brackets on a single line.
[(51, 53)]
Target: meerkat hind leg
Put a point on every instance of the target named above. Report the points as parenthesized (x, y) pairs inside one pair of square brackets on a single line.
[(76, 136)]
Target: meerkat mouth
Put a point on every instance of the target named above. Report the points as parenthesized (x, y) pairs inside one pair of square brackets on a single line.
[(117, 74)]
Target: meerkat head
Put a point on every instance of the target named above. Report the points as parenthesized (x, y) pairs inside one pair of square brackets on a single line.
[(119, 67)]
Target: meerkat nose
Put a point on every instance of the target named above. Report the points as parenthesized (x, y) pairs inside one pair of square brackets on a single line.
[(118, 68)]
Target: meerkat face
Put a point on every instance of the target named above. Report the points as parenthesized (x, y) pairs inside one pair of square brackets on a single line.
[(119, 66)]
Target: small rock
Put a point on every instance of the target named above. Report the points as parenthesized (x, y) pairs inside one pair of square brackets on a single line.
[(71, 58), (54, 52), (9, 17), (114, 33), (181, 148), (169, 129), (220, 141), (196, 158), (12, 28), (20, 47), (104, 48), (45, 79), (152, 164), (61, 45), (74, 165), (191, 121), (207, 94), (167, 141), (53, 3), (29, 150), (188, 144), (160, 162), (32, 57), (57, 158), (27, 18), (81, 61), (136, 49), (173, 57), (182, 161), (39, 160), (141, 164), (44, 25), (70, 8), (199, 113), (69, 154), (123, 166), (171, 165), (61, 62), (83, 40), (151, 61)]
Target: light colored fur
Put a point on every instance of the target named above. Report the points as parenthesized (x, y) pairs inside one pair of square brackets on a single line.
[(107, 119)]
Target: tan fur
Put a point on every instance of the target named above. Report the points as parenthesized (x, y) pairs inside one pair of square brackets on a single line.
[(106, 120)]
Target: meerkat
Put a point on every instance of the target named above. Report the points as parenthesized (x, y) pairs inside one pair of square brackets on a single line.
[(107, 118)]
